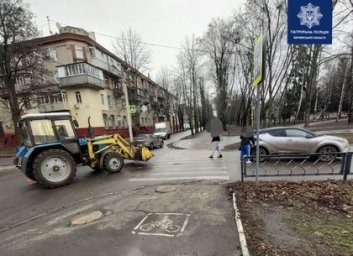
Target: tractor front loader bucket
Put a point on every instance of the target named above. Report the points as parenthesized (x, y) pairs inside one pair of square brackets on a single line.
[(143, 154)]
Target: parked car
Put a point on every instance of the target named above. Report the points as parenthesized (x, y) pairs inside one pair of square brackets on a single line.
[(149, 140), (292, 140)]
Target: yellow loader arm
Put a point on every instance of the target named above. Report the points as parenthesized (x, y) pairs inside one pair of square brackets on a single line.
[(119, 145)]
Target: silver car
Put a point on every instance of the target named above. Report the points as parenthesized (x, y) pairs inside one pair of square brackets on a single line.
[(288, 140), (149, 140)]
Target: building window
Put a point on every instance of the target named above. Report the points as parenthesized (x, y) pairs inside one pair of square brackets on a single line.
[(27, 104), (105, 119), (79, 52), (54, 99), (102, 99), (64, 96), (78, 97), (118, 122), (56, 77), (124, 122), (109, 100), (53, 54), (112, 121), (92, 52)]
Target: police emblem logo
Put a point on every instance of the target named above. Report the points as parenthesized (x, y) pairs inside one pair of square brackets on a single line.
[(310, 15)]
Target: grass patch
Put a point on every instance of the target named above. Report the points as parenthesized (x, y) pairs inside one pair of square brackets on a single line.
[(348, 136), (331, 230)]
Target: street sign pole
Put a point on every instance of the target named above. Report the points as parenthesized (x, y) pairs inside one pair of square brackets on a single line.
[(258, 111), (259, 76)]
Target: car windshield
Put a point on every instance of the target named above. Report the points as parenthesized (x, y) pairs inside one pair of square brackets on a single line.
[(160, 130), (141, 137)]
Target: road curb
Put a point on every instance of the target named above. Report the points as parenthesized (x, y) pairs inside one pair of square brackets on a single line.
[(242, 239)]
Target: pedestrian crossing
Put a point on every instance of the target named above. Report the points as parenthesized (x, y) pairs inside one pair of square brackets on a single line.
[(7, 167), (178, 165)]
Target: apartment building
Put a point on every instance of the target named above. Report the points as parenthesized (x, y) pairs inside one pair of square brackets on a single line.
[(87, 80)]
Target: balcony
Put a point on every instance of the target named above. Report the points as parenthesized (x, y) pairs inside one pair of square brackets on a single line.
[(118, 93), (20, 89), (81, 74), (59, 106), (115, 70)]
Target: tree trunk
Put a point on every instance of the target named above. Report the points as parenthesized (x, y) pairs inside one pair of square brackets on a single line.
[(339, 112), (311, 83), (350, 90), (15, 111)]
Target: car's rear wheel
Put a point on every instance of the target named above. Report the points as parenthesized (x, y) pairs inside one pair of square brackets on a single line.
[(327, 153), (262, 154), (151, 146)]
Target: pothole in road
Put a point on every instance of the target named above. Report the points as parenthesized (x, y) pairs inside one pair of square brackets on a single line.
[(166, 188), (86, 218)]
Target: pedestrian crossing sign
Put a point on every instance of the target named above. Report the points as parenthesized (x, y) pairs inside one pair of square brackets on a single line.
[(132, 109)]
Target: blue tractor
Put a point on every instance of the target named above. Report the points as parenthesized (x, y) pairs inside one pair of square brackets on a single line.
[(51, 150)]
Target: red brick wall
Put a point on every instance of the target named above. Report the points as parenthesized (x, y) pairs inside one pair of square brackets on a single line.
[(8, 140)]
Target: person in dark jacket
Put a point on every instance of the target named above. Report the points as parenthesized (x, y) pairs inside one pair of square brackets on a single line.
[(246, 138), (215, 146)]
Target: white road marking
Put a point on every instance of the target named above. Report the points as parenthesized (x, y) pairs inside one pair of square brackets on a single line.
[(225, 177), (188, 160), (7, 167), (170, 173), (161, 225), (153, 234), (185, 223), (176, 168)]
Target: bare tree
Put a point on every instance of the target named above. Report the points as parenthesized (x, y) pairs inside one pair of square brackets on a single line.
[(188, 74), (18, 56), (218, 42), (132, 50)]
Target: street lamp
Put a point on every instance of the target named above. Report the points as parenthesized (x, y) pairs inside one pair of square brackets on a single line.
[(127, 104)]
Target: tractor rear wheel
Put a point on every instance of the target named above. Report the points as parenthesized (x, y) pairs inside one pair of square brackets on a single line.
[(113, 162), (29, 174), (54, 168)]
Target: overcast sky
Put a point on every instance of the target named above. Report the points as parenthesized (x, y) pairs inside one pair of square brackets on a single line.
[(165, 22)]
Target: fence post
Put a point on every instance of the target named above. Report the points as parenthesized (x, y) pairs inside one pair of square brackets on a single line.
[(343, 163), (242, 169), (347, 165)]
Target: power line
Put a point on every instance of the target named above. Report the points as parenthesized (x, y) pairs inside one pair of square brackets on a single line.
[(145, 43)]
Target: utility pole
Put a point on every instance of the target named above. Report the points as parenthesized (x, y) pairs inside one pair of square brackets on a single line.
[(127, 105)]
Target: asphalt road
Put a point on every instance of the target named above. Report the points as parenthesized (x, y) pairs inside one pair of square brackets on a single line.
[(34, 220)]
